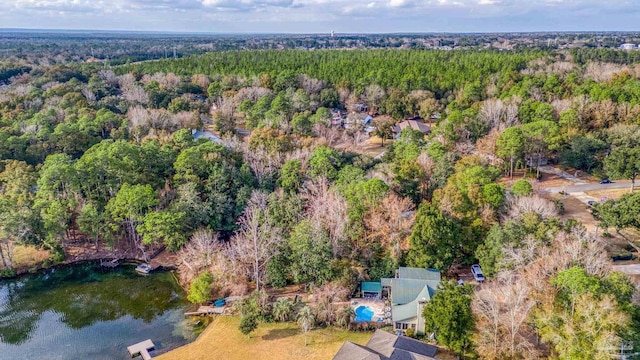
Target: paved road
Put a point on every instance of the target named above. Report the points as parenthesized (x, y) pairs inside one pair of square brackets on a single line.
[(630, 269), (622, 184)]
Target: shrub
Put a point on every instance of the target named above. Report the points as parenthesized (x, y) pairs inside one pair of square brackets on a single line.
[(282, 309), (248, 323), (521, 188), (559, 206), (7, 273), (200, 290)]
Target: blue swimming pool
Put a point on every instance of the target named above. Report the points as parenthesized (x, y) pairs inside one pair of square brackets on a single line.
[(364, 313)]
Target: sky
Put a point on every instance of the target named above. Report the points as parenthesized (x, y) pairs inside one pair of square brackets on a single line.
[(323, 16)]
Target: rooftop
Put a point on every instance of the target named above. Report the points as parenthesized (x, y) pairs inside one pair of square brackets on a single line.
[(408, 310), (197, 134), (351, 351), (406, 290), (387, 346), (418, 273), (371, 286), (413, 124)]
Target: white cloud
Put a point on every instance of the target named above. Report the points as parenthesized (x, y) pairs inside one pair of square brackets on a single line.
[(311, 15)]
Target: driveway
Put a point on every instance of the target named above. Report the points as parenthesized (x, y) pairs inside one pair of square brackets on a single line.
[(629, 269)]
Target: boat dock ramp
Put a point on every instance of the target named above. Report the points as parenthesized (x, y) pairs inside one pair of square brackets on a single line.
[(141, 348), (110, 264), (206, 310)]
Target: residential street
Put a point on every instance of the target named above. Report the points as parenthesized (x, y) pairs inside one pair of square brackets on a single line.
[(621, 184)]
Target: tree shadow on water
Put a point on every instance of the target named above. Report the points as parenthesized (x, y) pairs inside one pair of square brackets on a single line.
[(276, 334)]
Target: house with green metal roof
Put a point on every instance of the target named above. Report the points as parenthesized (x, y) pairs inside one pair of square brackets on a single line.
[(409, 291)]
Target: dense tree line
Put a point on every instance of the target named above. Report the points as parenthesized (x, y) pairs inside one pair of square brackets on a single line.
[(437, 71), (583, 56)]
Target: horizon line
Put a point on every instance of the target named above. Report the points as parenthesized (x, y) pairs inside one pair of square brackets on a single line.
[(328, 33)]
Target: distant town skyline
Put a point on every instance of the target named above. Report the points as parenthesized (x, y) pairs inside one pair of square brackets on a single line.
[(323, 16)]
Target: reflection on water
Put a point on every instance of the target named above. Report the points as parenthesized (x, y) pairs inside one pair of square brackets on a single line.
[(84, 312)]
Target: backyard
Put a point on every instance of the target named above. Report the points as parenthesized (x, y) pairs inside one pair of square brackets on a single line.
[(223, 340)]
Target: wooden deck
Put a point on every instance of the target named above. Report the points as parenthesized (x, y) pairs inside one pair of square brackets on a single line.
[(206, 310), (110, 264), (141, 348)]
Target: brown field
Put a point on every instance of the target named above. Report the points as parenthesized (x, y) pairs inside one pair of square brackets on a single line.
[(282, 341), (28, 256)]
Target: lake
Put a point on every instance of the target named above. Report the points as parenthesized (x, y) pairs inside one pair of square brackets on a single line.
[(85, 312)]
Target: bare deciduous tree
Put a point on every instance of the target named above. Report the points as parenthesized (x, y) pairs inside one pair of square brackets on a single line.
[(327, 209), (256, 241), (561, 105), (88, 94), (253, 94), (344, 94), (491, 112), (487, 147), (109, 77), (521, 205), (138, 122), (603, 72), (330, 134), (135, 94), (200, 253), (583, 248), (324, 302), (126, 81), (503, 308), (310, 85), (373, 95), (201, 80), (390, 223), (263, 163)]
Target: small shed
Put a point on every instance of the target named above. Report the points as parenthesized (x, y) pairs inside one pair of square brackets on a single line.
[(371, 289)]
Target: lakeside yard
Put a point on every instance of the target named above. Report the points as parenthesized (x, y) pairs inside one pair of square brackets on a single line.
[(222, 340)]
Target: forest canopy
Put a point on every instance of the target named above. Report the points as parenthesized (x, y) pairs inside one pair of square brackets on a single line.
[(325, 168)]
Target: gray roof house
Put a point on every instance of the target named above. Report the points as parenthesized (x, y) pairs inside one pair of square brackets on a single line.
[(413, 124), (409, 291), (386, 346)]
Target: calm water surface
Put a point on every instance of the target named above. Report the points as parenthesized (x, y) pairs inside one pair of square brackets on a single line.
[(84, 312)]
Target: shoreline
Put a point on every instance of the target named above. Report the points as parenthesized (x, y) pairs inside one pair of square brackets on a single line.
[(159, 259)]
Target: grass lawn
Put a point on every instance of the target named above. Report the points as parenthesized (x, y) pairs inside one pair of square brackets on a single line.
[(223, 340), (610, 194)]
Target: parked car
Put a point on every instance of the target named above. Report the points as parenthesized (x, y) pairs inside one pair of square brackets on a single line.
[(605, 181), (477, 273)]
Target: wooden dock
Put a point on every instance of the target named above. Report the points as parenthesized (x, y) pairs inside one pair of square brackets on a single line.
[(206, 310), (141, 348), (110, 264)]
